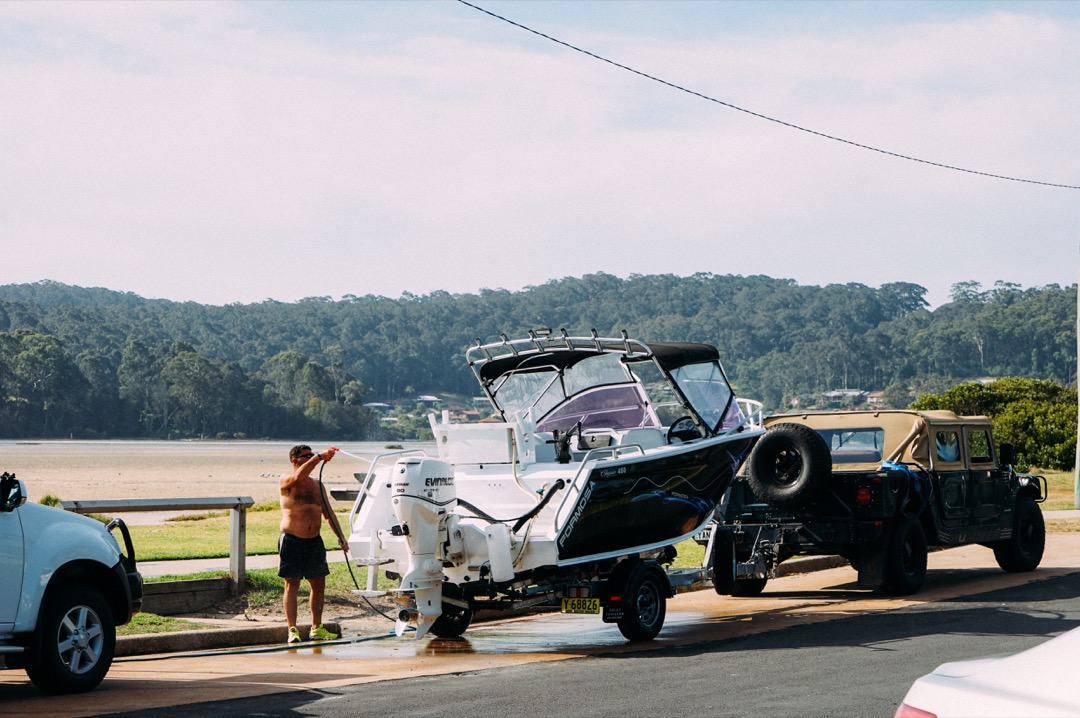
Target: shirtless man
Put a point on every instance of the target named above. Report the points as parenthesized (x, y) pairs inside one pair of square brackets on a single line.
[(303, 556)]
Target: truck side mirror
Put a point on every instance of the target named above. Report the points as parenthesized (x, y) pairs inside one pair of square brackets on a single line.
[(12, 493), (1006, 454)]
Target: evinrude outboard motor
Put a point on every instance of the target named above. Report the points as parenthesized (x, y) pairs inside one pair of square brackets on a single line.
[(422, 494)]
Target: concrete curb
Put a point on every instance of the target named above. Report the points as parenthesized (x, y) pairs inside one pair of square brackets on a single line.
[(206, 639), (810, 563)]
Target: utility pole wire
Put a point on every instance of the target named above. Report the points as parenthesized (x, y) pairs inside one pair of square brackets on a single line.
[(758, 114)]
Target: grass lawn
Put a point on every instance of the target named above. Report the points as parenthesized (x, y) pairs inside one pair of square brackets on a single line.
[(1061, 495), (1061, 491), (207, 535), (144, 623)]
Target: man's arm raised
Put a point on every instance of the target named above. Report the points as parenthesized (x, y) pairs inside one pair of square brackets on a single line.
[(305, 469)]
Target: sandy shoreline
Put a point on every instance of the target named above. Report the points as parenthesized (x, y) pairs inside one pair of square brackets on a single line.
[(86, 470)]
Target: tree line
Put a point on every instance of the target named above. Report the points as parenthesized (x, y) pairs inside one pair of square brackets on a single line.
[(170, 390), (94, 362)]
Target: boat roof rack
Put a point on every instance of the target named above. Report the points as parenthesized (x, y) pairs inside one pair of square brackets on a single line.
[(541, 350)]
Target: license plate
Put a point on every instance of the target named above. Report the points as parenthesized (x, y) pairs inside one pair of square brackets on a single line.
[(702, 536), (581, 605)]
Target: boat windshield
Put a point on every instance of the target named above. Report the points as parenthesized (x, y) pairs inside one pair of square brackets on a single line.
[(706, 388), (606, 407), (598, 391)]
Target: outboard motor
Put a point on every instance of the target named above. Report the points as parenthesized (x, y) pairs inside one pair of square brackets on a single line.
[(422, 494)]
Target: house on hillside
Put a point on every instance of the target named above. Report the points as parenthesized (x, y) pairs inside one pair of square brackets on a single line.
[(843, 397), (378, 407), (465, 416)]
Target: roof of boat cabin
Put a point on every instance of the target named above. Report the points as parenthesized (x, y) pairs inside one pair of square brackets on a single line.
[(670, 355), (673, 355), (558, 357)]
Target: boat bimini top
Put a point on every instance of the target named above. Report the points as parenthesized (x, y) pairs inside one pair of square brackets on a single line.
[(559, 382)]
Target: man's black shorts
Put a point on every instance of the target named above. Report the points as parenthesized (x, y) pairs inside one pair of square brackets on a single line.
[(302, 558)]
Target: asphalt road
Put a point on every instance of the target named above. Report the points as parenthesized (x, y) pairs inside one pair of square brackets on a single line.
[(859, 666)]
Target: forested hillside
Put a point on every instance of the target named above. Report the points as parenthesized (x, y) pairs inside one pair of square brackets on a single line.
[(93, 362)]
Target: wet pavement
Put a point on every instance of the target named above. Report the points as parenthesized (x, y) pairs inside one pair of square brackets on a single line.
[(371, 653)]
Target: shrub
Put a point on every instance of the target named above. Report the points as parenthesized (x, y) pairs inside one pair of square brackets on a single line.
[(1037, 417)]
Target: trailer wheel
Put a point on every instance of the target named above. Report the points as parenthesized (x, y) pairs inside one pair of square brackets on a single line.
[(77, 641), (645, 603), (1024, 551), (789, 466), (905, 559), (749, 587), (454, 620)]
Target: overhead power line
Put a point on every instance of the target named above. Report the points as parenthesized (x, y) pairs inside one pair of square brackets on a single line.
[(793, 126)]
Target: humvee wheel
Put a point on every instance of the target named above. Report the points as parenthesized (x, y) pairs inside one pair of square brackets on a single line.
[(1023, 552), (905, 557)]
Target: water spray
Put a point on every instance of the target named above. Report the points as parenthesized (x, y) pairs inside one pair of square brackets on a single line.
[(349, 453)]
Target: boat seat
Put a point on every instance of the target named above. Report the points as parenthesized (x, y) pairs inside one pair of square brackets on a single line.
[(645, 437), (596, 439)]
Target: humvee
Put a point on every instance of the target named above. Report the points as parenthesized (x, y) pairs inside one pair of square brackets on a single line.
[(876, 488)]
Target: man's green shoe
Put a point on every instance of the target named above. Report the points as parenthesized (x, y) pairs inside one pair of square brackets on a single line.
[(319, 633), (294, 635)]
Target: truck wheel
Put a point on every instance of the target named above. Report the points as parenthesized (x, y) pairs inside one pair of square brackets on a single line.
[(645, 603), (1023, 552), (749, 586), (905, 557), (723, 562), (789, 466), (77, 639)]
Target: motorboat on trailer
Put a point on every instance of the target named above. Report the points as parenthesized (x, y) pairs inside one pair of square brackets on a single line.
[(601, 455)]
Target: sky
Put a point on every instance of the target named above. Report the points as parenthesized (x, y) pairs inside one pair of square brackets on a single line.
[(237, 152)]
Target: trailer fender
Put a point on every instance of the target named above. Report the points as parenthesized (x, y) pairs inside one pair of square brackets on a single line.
[(630, 568)]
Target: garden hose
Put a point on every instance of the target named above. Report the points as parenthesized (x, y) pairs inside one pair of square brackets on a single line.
[(345, 550)]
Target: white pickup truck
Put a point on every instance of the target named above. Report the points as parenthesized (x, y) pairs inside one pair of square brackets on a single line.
[(64, 587)]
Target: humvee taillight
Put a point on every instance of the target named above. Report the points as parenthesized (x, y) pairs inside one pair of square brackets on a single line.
[(862, 496)]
